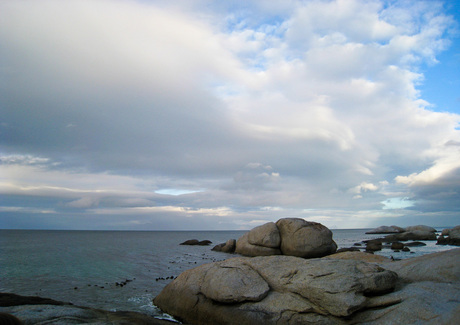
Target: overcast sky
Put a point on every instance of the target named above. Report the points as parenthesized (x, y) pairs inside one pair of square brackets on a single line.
[(216, 115)]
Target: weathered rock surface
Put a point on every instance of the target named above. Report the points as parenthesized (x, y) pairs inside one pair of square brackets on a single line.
[(37, 310), (337, 289), (227, 247), (266, 235), (231, 282), (360, 256), (288, 236), (386, 230), (243, 247), (420, 228), (305, 239), (324, 288)]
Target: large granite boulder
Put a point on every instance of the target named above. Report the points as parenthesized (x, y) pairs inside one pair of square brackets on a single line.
[(244, 247), (266, 235), (289, 236), (329, 290), (284, 286), (305, 239), (386, 230)]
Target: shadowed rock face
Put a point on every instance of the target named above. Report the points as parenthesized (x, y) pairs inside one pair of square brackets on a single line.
[(37, 310), (289, 236), (336, 289)]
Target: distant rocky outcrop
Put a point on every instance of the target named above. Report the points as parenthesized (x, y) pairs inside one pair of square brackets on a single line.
[(194, 242), (345, 288), (396, 234), (386, 230), (450, 237), (288, 236)]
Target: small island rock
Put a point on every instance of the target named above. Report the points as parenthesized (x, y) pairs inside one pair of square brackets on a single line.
[(386, 230)]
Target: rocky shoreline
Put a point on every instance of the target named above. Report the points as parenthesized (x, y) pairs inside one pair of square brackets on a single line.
[(290, 272), (38, 310)]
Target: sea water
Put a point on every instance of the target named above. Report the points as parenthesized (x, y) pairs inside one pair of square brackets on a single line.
[(120, 270)]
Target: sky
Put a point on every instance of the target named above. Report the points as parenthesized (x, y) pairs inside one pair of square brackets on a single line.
[(224, 115)]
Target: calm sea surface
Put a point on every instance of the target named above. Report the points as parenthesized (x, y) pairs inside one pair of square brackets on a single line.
[(84, 267)]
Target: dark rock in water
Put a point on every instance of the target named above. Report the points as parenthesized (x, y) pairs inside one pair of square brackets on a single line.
[(347, 249), (10, 299), (397, 245), (196, 242), (373, 245), (406, 249), (37, 310), (190, 242), (414, 244)]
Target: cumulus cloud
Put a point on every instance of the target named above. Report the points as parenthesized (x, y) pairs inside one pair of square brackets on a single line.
[(245, 111)]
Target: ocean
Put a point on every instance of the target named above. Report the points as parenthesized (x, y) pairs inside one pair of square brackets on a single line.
[(121, 270)]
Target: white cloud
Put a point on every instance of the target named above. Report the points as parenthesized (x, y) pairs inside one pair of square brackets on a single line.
[(274, 108)]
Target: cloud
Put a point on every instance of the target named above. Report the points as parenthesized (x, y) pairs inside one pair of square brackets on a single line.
[(244, 111)]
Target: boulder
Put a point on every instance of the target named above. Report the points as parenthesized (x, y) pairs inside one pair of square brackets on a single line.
[(243, 247), (337, 289), (266, 235), (411, 235), (422, 228), (373, 245), (386, 230), (305, 239), (227, 247), (289, 236), (233, 282), (436, 267), (286, 288), (397, 245), (450, 237)]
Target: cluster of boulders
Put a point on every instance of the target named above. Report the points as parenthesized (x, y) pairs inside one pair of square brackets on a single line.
[(396, 235), (344, 288), (450, 237), (288, 236)]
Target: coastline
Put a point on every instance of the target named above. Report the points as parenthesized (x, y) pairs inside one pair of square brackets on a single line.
[(33, 309)]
